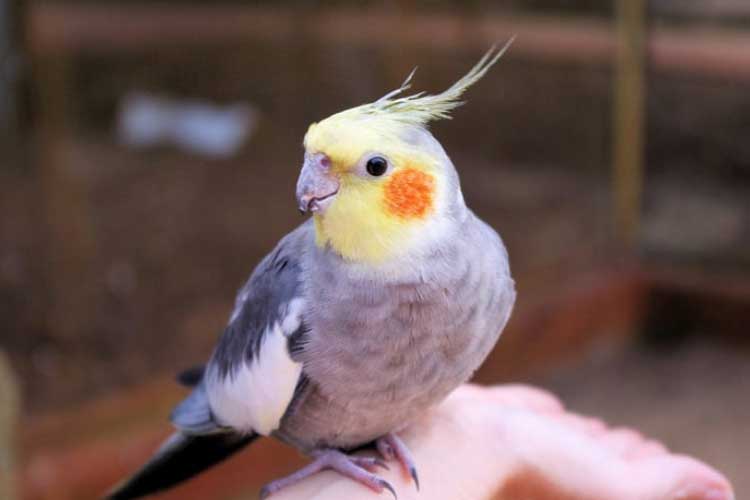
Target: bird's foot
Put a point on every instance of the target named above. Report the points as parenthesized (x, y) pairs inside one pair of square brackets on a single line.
[(391, 447), (358, 468)]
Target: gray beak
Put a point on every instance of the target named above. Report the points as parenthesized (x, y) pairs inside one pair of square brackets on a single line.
[(317, 185)]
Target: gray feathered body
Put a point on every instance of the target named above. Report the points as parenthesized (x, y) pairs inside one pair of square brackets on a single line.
[(382, 347), (367, 346)]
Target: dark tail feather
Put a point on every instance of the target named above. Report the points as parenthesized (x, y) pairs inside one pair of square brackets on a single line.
[(180, 457), (192, 376)]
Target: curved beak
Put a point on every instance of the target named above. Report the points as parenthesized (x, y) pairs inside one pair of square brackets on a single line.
[(317, 185)]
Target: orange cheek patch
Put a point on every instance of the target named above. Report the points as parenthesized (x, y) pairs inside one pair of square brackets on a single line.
[(409, 193)]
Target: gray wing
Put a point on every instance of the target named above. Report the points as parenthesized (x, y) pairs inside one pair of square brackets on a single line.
[(250, 379)]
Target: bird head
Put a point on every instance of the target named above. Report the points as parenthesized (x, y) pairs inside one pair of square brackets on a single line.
[(378, 183)]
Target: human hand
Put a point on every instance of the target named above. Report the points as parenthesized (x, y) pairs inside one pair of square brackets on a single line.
[(515, 442)]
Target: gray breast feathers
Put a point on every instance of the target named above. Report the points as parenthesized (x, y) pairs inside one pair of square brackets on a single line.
[(385, 346)]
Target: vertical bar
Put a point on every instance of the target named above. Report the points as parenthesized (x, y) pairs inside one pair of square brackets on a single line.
[(9, 414), (8, 72), (629, 114)]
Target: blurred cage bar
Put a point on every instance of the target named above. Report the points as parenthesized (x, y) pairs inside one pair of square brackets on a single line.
[(628, 129), (9, 73), (9, 429)]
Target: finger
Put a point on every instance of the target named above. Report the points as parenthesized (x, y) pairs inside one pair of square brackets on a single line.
[(589, 426), (647, 449), (622, 441), (525, 396), (676, 477)]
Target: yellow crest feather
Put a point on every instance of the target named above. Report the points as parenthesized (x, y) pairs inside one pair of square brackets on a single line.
[(420, 109)]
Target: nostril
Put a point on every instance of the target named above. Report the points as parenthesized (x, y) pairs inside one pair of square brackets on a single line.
[(325, 161)]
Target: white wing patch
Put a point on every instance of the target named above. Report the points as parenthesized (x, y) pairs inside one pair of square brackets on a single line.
[(255, 396)]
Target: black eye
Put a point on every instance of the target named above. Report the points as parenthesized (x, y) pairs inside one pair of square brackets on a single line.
[(376, 166)]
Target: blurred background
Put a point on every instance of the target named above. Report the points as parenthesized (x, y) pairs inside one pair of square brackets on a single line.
[(148, 156)]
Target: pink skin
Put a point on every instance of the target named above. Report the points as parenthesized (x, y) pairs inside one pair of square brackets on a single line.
[(510, 442), (579, 457)]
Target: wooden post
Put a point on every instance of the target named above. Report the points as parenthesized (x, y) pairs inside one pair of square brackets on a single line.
[(8, 76), (9, 413), (629, 124)]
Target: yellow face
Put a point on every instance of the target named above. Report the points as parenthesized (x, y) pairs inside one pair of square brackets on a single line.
[(387, 188), (378, 183)]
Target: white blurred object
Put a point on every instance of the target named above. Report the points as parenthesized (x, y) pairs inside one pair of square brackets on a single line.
[(193, 126)]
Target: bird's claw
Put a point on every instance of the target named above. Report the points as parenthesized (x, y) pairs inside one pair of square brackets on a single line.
[(385, 449), (414, 476), (386, 485), (390, 447), (370, 463), (357, 468)]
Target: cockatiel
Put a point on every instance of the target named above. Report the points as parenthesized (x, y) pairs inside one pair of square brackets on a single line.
[(361, 318)]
